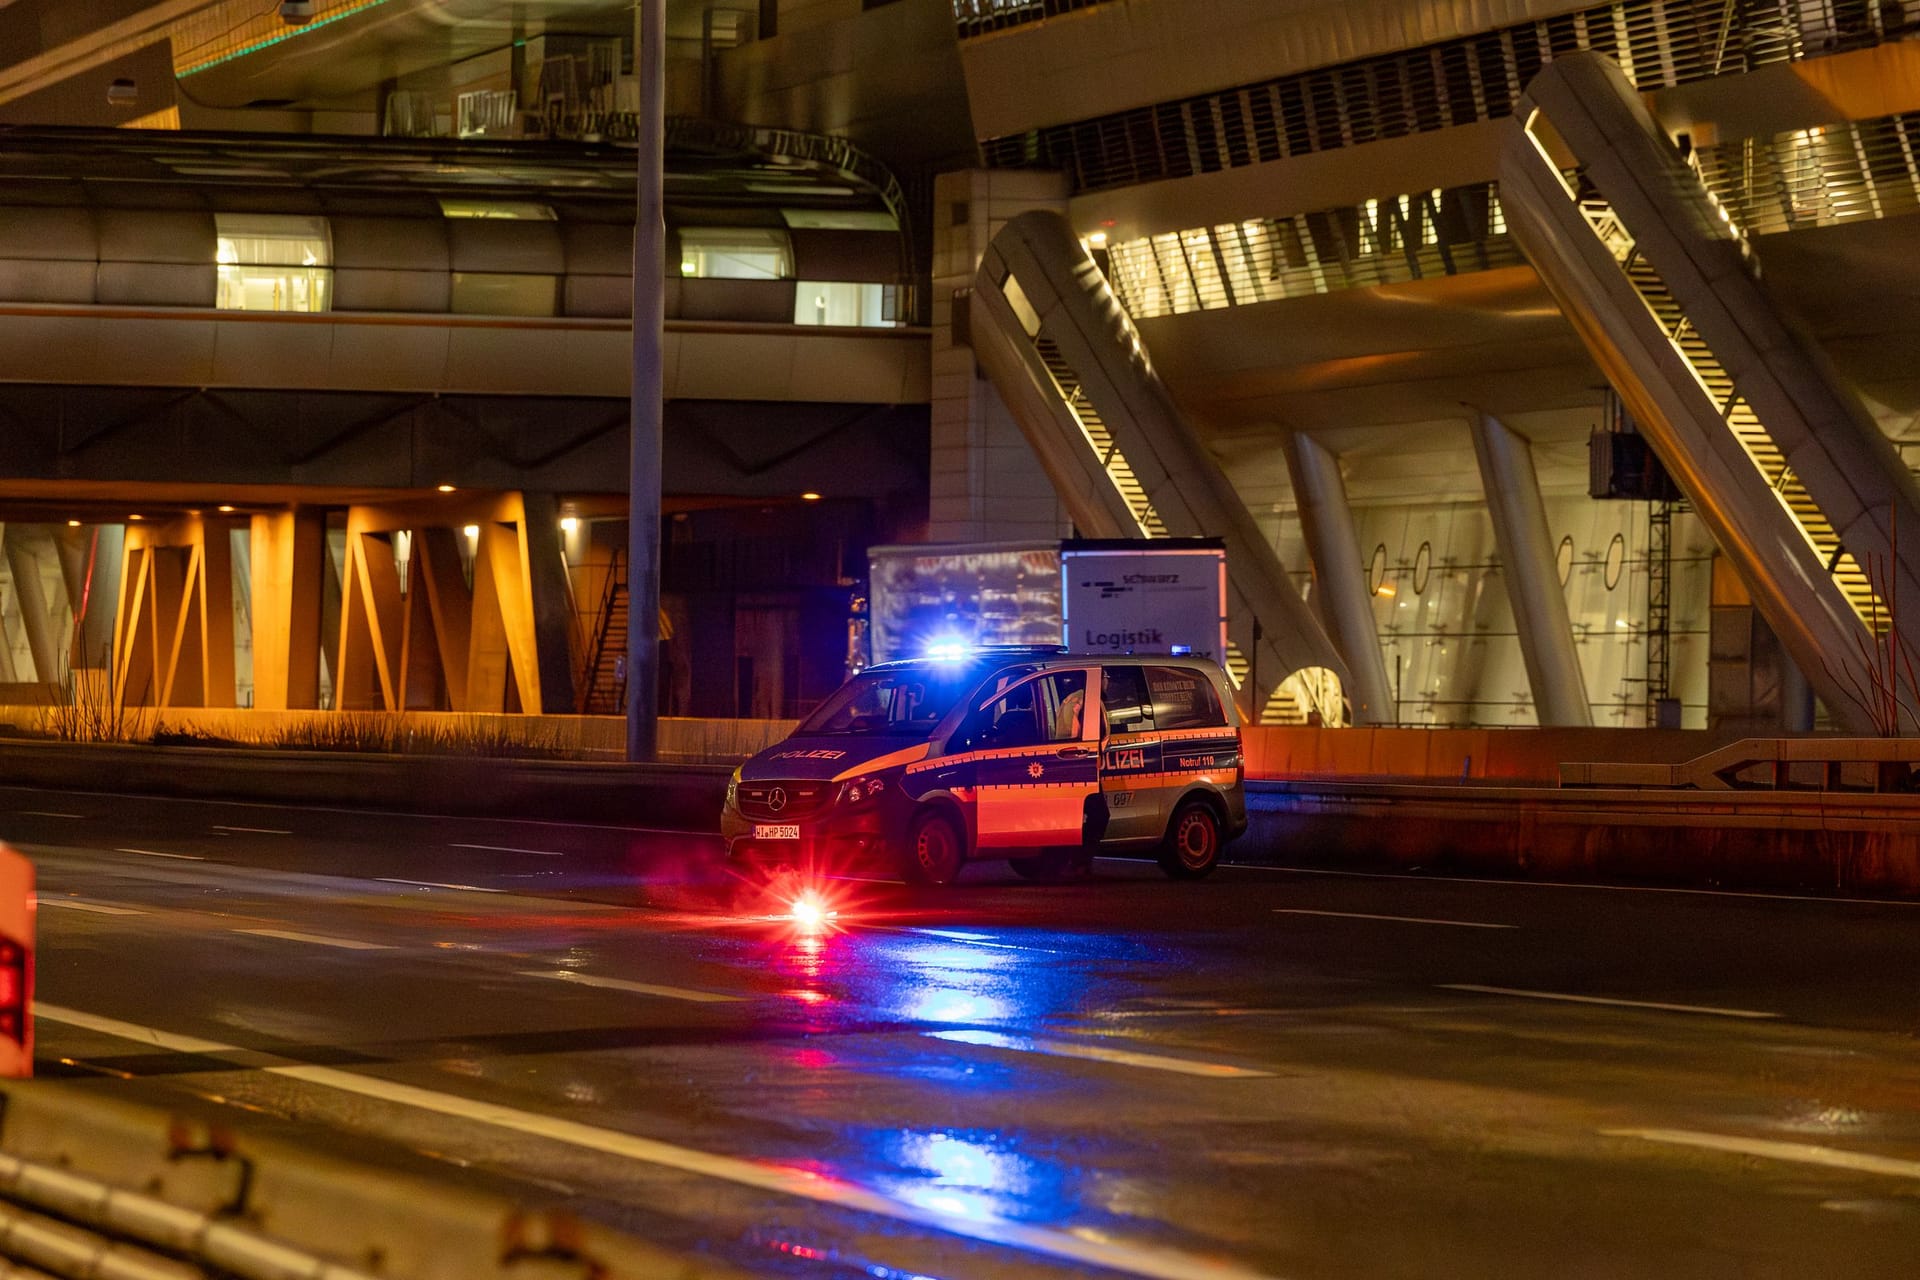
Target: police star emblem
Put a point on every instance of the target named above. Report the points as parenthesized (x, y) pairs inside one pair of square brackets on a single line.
[(1035, 769)]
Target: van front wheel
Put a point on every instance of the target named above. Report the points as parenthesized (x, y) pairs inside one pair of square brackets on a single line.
[(935, 850), (1192, 846)]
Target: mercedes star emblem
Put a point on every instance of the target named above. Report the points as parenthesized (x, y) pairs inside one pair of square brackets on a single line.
[(777, 799)]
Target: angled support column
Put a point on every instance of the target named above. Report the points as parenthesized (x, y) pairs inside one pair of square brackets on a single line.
[(90, 563), (1532, 577), (1334, 546), (552, 603), (24, 561)]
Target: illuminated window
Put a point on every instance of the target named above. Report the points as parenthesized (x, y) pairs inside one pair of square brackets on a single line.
[(841, 303), (273, 262), (504, 293), (508, 210), (735, 253)]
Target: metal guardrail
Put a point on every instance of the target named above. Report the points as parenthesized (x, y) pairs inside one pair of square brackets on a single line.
[(978, 17), (97, 1189), (1864, 765), (1660, 43)]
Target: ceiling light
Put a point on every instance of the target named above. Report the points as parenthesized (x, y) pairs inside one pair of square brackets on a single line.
[(809, 497), (136, 517), (569, 524), (444, 488), (73, 524), (226, 508), (472, 531)]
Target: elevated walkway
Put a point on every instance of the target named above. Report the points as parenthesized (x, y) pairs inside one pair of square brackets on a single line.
[(1059, 347), (1785, 466)]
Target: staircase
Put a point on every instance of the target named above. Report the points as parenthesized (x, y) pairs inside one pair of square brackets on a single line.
[(1740, 419), (605, 678), (1100, 438)]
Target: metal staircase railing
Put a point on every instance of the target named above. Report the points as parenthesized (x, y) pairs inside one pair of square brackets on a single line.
[(1735, 412), (978, 17), (1099, 439), (605, 676)]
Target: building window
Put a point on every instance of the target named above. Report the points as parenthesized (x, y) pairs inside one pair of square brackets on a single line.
[(273, 262), (735, 253), (864, 306), (507, 210)]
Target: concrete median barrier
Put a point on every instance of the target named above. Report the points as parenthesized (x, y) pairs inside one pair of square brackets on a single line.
[(93, 1186)]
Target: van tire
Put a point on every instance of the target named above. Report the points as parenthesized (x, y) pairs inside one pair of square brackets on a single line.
[(936, 850), (1191, 849)]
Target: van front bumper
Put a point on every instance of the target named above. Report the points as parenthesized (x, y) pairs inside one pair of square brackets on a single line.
[(831, 836)]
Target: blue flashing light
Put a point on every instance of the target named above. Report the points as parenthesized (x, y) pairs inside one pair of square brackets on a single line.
[(1182, 651), (949, 650)]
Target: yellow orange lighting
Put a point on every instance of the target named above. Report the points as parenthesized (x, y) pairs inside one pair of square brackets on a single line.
[(809, 497), (569, 524), (225, 508), (444, 488), (73, 524), (472, 531), (136, 517)]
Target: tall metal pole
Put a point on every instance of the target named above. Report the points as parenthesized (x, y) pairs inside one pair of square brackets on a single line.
[(649, 392)]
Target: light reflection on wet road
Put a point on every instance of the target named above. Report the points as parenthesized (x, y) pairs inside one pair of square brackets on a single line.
[(1265, 1074)]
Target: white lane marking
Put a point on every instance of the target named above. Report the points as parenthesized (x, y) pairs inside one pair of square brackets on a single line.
[(638, 988), (253, 831), (1099, 1053), (436, 884), (1362, 915), (1606, 1000), (1557, 884), (502, 848), (96, 908), (318, 939), (45, 813), (155, 853), (1797, 1152), (1091, 1250)]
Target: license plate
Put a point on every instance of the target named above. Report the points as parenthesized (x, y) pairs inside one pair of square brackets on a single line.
[(781, 831)]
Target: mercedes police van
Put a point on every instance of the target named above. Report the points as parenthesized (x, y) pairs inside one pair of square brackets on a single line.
[(1037, 756)]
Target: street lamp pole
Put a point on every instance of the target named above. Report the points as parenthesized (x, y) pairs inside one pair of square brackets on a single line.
[(649, 392)]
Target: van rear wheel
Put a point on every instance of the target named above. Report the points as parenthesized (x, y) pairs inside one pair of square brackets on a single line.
[(1192, 847), (935, 852)]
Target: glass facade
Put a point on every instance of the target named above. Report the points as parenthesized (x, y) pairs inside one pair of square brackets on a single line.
[(273, 262)]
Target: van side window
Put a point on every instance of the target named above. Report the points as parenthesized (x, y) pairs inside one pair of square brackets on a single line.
[(1029, 715), (1123, 692), (1183, 699)]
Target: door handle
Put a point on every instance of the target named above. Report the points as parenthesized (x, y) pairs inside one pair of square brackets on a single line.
[(1074, 753)]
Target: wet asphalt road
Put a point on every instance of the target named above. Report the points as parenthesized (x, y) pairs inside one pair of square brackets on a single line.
[(1271, 1073)]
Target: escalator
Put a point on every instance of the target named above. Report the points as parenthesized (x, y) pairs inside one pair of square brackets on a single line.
[(1060, 349), (1790, 473)]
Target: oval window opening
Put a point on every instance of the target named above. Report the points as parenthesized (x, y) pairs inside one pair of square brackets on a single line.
[(1616, 561)]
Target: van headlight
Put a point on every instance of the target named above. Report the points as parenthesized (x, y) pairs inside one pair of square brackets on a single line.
[(733, 789), (862, 790)]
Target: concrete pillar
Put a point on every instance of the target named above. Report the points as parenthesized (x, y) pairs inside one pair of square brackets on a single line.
[(90, 564), (24, 561), (287, 551), (1531, 573), (985, 483), (1339, 579)]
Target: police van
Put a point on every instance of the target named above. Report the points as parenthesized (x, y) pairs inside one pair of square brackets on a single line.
[(1037, 756)]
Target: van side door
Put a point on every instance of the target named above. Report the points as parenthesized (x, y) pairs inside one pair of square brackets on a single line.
[(1129, 756), (1035, 749)]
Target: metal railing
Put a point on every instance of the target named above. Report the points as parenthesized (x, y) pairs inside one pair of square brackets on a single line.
[(978, 17), (1392, 241), (1861, 170), (1659, 43)]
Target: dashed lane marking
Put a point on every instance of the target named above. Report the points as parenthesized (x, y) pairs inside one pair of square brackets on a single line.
[(318, 939), (436, 884), (638, 988), (502, 848), (252, 831), (1095, 1248), (1099, 1053), (1661, 1005), (1362, 915), (92, 908), (1794, 1152), (155, 853), (45, 813), (1557, 884)]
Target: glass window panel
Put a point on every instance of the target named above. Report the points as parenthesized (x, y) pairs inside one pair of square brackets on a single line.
[(840, 303), (735, 253), (273, 262), (511, 210)]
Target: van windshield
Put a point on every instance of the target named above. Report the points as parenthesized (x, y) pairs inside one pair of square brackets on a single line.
[(908, 700)]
